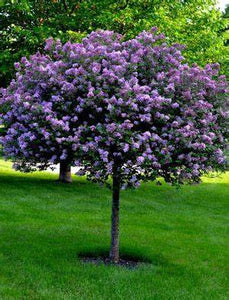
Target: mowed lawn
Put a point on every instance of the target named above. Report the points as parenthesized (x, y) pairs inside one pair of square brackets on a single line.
[(45, 226)]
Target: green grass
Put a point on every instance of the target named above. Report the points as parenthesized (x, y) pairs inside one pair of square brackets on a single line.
[(44, 226)]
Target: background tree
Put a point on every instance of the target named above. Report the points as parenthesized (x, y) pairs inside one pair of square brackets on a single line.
[(39, 115), (129, 110), (25, 25)]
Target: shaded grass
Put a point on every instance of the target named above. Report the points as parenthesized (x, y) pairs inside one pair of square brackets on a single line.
[(45, 226)]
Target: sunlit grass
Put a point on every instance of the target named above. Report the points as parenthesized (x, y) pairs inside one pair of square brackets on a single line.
[(45, 225)]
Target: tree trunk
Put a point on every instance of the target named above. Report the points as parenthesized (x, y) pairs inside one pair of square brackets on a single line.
[(65, 172), (114, 250)]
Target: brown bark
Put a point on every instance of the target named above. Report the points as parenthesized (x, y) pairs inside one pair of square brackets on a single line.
[(65, 173), (114, 250)]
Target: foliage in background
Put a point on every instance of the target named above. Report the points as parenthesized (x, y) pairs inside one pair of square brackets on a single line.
[(26, 24)]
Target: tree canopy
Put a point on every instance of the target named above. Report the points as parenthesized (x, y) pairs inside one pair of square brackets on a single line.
[(25, 25), (134, 85)]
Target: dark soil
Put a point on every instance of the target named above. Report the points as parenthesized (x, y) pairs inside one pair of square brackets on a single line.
[(127, 263)]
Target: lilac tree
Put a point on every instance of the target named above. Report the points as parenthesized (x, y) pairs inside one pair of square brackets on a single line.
[(149, 115), (36, 115), (129, 110)]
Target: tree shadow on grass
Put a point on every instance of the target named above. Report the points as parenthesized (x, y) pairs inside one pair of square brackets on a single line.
[(133, 259), (38, 179), (39, 184), (52, 179), (104, 253)]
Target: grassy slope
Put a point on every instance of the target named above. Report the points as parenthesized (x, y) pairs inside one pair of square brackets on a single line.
[(45, 225)]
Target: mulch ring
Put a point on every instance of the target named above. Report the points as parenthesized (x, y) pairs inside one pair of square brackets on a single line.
[(123, 262)]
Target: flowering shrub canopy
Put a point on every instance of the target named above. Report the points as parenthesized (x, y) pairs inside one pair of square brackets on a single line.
[(130, 107)]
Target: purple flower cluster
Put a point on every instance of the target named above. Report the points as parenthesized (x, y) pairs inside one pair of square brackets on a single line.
[(107, 104)]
